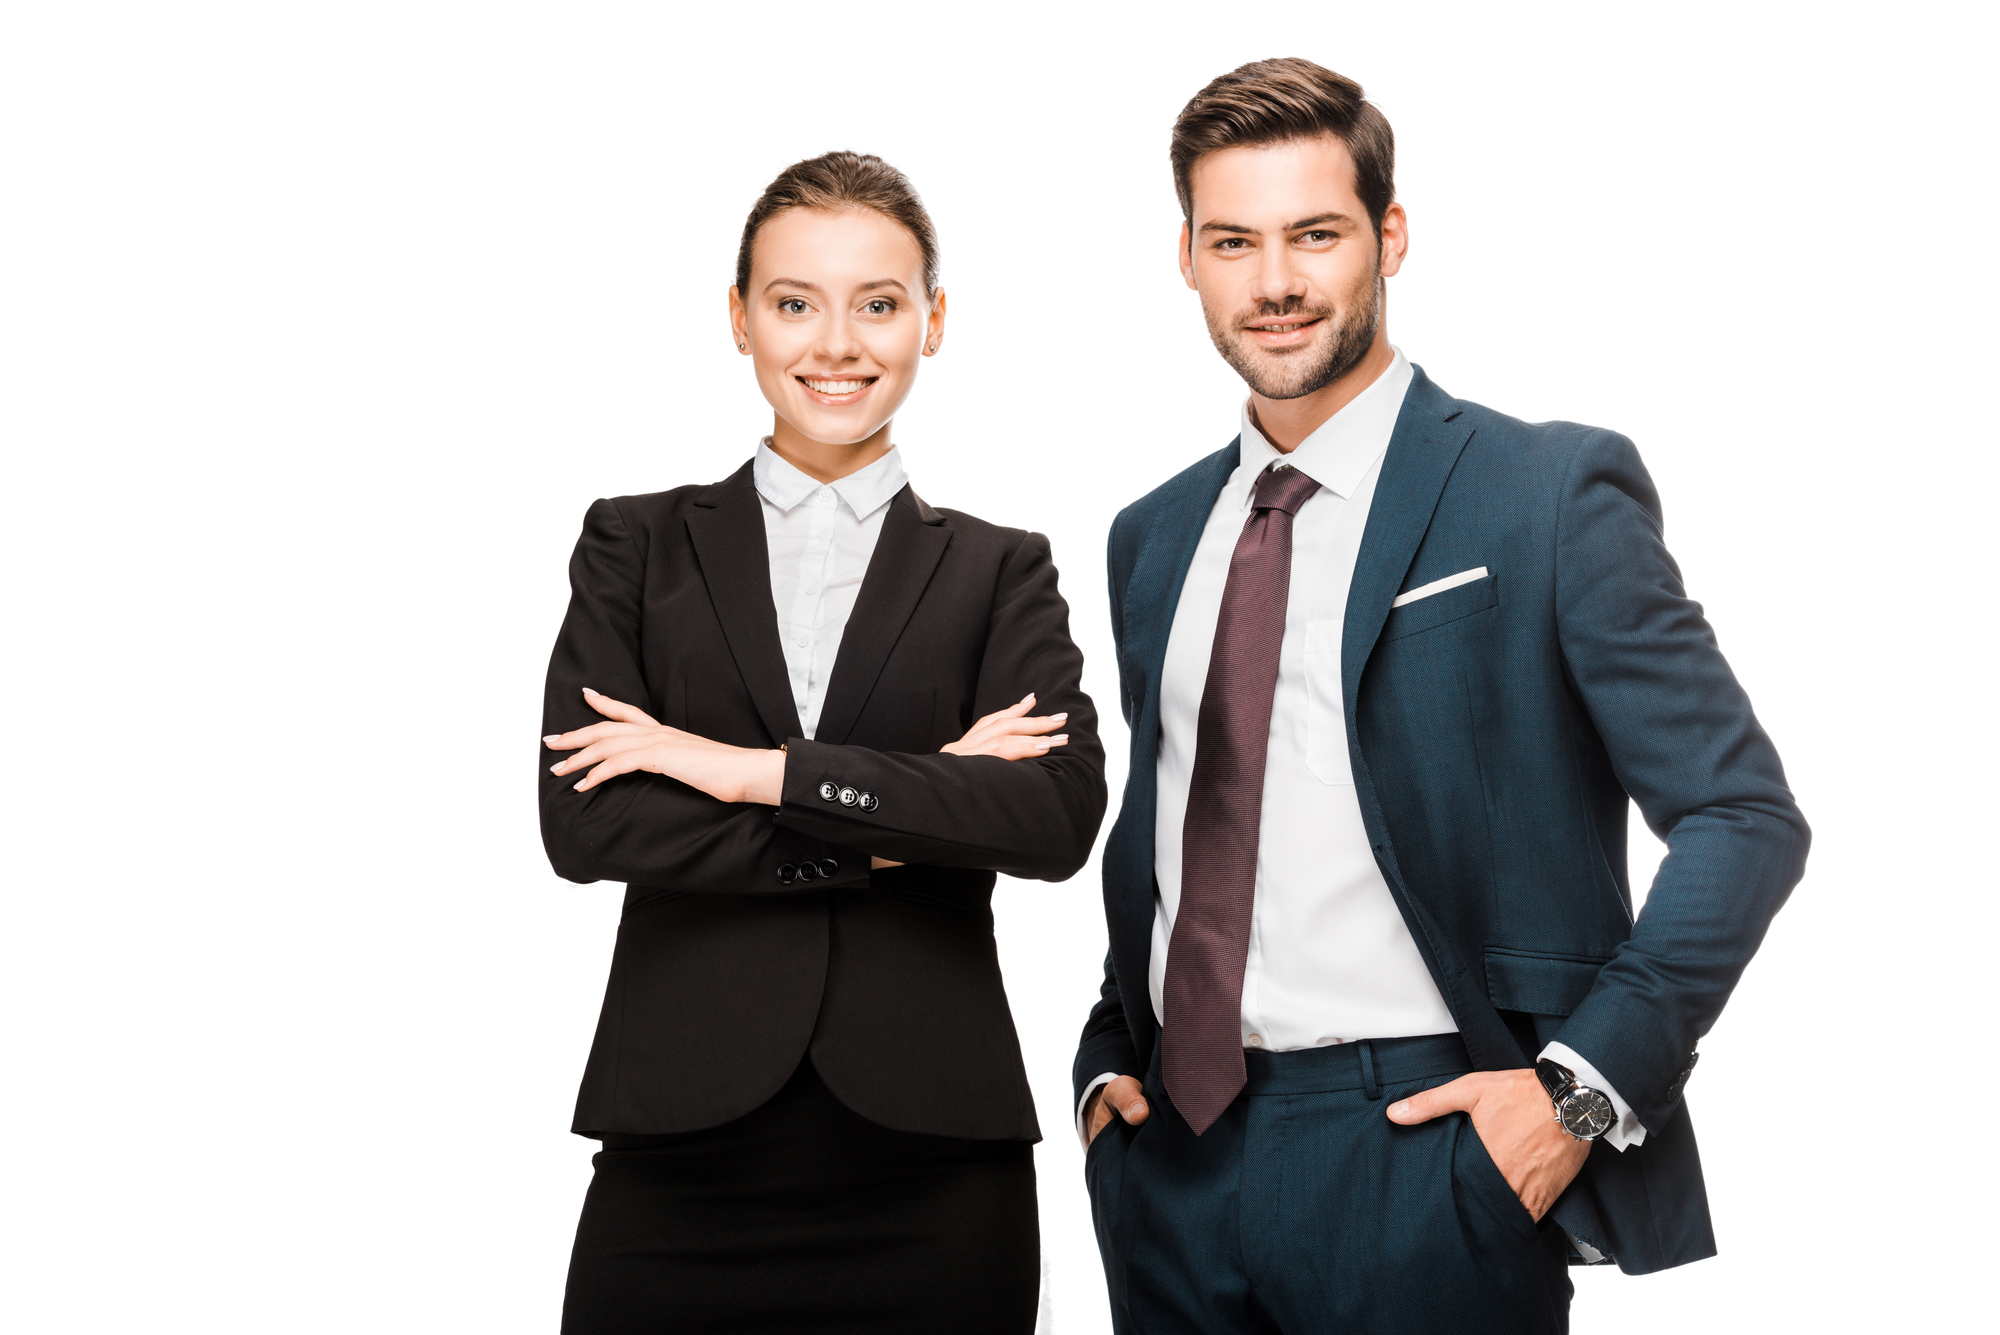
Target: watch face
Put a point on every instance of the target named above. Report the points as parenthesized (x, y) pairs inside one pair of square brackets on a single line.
[(1586, 1114)]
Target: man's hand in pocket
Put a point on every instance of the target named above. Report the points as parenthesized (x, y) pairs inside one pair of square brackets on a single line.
[(1122, 1095), (1517, 1125)]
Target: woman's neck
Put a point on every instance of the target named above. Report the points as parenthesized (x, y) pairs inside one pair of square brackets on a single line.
[(823, 462)]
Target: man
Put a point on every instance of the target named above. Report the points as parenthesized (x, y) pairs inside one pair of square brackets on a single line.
[(1380, 1046)]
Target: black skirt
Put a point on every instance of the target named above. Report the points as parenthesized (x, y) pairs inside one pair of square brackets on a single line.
[(805, 1216)]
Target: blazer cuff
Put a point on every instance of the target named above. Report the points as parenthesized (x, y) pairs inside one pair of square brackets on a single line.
[(1625, 1133)]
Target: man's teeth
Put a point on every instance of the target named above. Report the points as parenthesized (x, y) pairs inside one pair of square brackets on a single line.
[(835, 386), (1281, 328)]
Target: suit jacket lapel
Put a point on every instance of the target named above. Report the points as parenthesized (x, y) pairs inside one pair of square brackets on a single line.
[(907, 551), (1422, 452), (1153, 592), (727, 530)]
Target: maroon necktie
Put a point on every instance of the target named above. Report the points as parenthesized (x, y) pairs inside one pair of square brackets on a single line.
[(1202, 1039)]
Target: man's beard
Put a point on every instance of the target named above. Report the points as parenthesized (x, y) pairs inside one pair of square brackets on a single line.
[(1297, 372)]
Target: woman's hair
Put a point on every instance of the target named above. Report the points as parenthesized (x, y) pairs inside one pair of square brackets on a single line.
[(838, 181)]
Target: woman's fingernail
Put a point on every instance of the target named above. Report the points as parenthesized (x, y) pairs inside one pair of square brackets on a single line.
[(552, 739), (1059, 717), (1029, 696), (556, 768), (579, 785), (1399, 1108), (588, 691)]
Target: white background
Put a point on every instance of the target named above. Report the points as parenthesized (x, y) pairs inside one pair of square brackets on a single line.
[(320, 326)]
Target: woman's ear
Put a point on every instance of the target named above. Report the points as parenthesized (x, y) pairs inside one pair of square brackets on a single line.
[(934, 327), (739, 320)]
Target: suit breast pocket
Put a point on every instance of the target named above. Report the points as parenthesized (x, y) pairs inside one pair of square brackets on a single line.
[(1326, 719)]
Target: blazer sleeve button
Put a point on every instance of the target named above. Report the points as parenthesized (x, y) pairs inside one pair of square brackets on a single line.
[(787, 874), (829, 866), (829, 791), (848, 797), (869, 801), (808, 872)]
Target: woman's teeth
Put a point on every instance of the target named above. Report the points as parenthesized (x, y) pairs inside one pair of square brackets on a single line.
[(834, 386)]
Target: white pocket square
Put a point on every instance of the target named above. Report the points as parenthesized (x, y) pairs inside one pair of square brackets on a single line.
[(1440, 585)]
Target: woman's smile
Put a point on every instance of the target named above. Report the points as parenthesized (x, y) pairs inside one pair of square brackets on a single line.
[(836, 392)]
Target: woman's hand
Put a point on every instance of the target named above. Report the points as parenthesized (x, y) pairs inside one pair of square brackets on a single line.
[(633, 741), (1011, 735)]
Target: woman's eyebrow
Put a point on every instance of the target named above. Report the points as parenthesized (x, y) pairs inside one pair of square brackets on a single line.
[(791, 282), (883, 282)]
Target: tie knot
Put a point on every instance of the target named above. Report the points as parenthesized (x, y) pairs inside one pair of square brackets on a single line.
[(1283, 488)]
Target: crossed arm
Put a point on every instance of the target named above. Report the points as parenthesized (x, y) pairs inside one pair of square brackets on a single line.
[(630, 739)]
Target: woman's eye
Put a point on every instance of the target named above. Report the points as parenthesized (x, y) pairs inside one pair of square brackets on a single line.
[(792, 306), (880, 307)]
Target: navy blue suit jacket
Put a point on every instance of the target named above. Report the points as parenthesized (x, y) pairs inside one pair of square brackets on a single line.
[(1496, 732)]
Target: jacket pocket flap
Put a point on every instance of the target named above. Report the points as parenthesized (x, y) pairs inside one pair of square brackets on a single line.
[(1439, 608), (1539, 984)]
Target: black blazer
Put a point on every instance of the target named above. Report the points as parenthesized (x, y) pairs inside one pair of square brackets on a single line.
[(730, 965)]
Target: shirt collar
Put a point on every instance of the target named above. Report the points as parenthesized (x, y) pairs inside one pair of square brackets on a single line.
[(865, 490), (1347, 444)]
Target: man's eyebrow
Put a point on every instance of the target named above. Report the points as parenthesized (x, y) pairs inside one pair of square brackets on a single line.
[(1317, 220)]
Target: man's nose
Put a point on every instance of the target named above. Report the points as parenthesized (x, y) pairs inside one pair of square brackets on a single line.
[(1278, 280)]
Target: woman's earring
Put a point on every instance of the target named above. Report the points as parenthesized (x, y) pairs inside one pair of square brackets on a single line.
[(742, 346)]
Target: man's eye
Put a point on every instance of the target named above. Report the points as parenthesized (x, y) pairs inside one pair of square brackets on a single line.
[(792, 306), (1317, 236), (1231, 243)]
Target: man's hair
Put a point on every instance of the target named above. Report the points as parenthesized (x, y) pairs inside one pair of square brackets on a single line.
[(837, 181), (1272, 101)]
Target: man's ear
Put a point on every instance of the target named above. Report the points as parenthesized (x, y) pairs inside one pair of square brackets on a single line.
[(1395, 239), (1187, 258)]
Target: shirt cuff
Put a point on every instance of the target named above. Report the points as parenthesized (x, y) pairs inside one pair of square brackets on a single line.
[(1089, 1089), (1625, 1133)]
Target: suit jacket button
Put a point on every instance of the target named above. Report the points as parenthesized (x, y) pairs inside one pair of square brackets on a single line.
[(869, 801), (848, 797), (787, 874), (808, 872), (829, 791), (828, 866)]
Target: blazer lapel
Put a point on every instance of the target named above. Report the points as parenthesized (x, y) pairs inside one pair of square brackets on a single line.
[(907, 551), (727, 530), (1153, 592), (1422, 452)]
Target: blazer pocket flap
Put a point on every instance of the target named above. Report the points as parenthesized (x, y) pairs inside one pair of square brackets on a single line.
[(1439, 608), (1539, 984)]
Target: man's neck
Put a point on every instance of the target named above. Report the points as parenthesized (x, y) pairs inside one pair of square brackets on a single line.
[(823, 462), (1286, 423)]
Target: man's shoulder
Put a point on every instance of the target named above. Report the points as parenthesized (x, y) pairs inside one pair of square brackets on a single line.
[(1547, 448), (1197, 483)]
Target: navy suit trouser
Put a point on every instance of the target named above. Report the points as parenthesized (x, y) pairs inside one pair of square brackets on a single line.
[(1304, 1209)]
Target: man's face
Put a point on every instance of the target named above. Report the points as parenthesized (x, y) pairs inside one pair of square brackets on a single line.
[(1287, 263)]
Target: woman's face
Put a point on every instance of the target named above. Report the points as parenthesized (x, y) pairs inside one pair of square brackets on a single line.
[(835, 320)]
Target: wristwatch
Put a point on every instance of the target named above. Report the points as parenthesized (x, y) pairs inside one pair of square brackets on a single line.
[(1582, 1112)]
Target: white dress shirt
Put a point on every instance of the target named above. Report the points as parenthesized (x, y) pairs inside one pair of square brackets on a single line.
[(821, 536), (1330, 958)]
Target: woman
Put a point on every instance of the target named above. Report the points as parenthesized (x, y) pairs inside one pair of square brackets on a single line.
[(805, 1076)]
